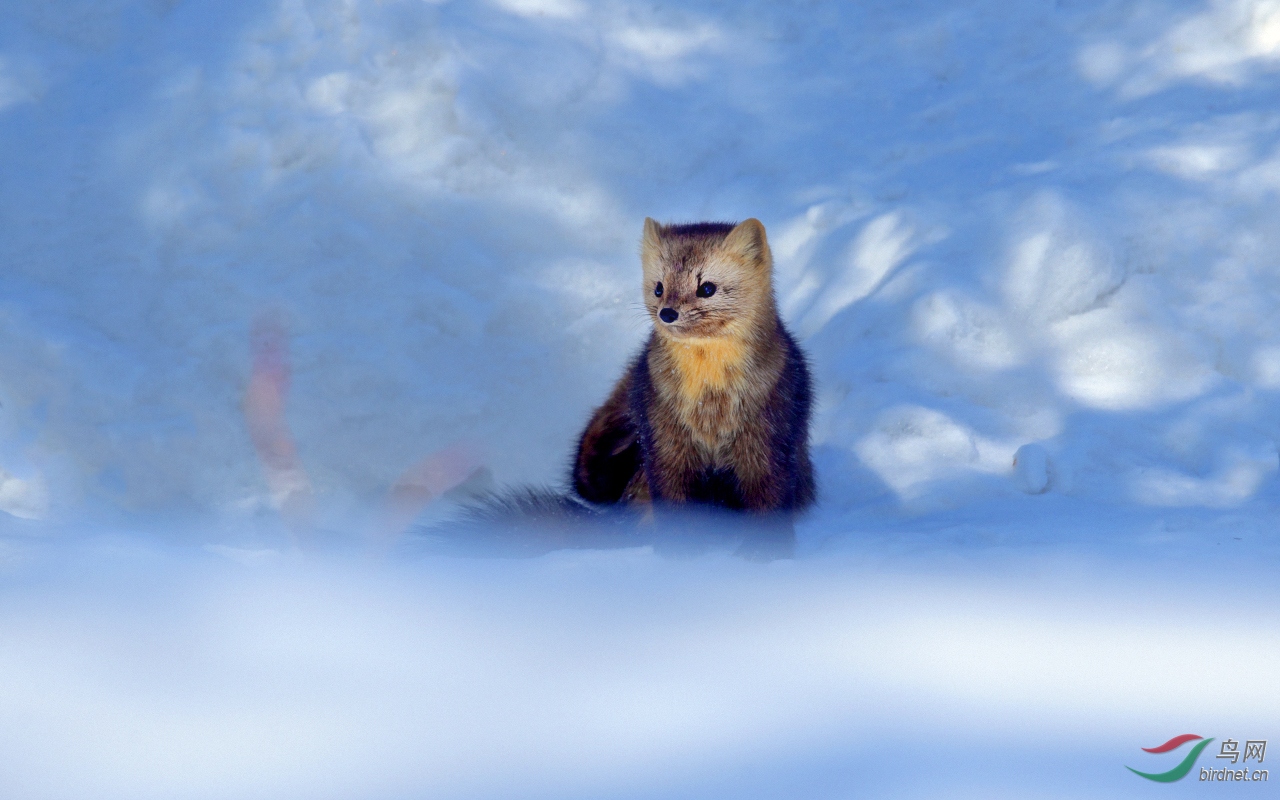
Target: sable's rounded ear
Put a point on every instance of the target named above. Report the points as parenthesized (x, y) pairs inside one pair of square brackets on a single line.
[(652, 231), (747, 239)]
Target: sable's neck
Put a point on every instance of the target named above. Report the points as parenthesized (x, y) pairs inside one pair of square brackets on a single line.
[(689, 367)]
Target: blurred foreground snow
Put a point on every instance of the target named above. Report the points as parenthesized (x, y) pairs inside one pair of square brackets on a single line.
[(961, 670)]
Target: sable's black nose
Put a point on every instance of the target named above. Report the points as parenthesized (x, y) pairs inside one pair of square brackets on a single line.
[(668, 314)]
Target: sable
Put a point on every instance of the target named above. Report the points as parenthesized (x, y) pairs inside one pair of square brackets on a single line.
[(710, 420), (714, 411)]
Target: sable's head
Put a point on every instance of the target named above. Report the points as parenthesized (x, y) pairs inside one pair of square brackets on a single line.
[(708, 279)]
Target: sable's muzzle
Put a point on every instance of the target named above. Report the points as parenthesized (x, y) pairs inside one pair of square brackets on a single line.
[(668, 315)]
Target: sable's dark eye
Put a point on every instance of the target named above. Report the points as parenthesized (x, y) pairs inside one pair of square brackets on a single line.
[(707, 289), (657, 290)]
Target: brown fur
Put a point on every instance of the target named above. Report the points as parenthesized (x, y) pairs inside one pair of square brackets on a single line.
[(716, 408)]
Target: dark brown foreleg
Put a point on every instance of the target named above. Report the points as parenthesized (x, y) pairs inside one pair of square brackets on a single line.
[(761, 481), (675, 460)]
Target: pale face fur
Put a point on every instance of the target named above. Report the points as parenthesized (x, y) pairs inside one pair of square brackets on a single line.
[(739, 265), (715, 363)]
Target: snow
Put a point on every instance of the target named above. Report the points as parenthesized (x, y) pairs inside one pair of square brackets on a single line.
[(1030, 248), (129, 672)]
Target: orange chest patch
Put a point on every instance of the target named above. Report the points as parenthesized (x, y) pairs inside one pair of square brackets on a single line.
[(713, 365)]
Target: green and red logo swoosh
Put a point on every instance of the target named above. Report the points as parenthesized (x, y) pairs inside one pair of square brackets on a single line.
[(1180, 771)]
